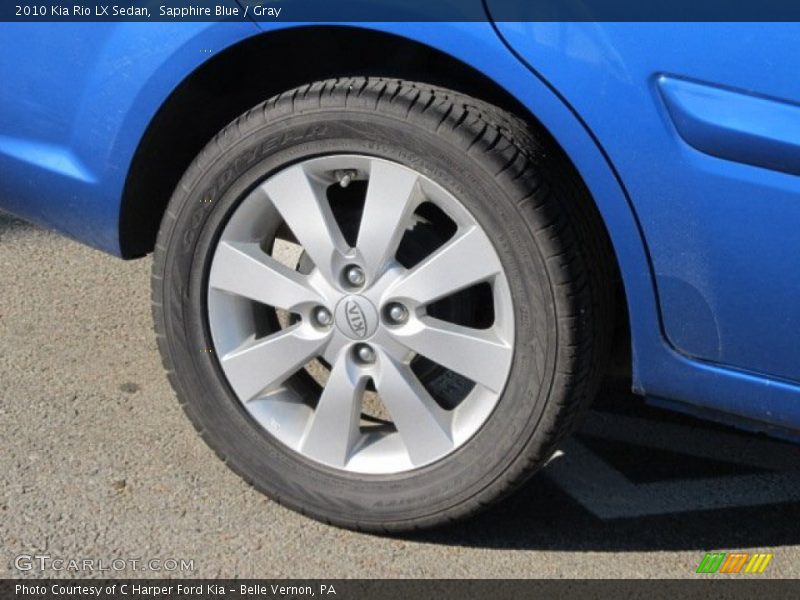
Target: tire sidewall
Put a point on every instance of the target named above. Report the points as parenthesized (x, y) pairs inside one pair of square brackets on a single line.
[(204, 202)]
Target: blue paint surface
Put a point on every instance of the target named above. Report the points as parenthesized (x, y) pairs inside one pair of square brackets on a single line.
[(686, 135)]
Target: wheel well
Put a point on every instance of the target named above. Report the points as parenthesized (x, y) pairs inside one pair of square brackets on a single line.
[(236, 79)]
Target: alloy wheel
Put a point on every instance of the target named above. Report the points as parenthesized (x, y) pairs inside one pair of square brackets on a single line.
[(360, 314)]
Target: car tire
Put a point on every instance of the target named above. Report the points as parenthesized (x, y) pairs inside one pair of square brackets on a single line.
[(517, 355)]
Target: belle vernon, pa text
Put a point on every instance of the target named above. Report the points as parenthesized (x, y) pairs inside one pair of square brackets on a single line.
[(178, 13), (135, 589)]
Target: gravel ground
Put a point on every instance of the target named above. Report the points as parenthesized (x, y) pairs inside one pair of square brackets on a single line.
[(99, 462)]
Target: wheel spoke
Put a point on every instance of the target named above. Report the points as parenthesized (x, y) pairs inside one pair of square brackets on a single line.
[(245, 270), (302, 204), (467, 260), (477, 354), (422, 424), (392, 197), (334, 427), (265, 364)]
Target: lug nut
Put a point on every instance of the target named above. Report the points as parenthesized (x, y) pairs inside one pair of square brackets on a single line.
[(365, 354), (323, 317), (397, 313), (355, 276)]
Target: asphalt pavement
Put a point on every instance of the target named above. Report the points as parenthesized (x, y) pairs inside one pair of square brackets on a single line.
[(98, 463)]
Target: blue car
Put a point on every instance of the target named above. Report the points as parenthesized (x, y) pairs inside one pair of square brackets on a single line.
[(393, 261)]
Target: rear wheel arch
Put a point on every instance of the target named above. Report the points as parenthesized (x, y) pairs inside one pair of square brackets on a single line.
[(242, 76), (235, 80)]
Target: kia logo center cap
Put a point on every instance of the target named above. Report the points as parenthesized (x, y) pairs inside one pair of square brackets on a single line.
[(356, 317)]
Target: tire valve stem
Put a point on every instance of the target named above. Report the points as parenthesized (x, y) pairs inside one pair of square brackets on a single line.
[(345, 177)]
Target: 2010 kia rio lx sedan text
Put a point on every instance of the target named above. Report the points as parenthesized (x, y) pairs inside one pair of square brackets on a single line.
[(391, 260)]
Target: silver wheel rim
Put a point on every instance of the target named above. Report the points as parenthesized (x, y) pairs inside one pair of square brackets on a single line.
[(311, 332)]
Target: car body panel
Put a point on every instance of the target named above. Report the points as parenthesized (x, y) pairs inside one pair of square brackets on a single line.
[(76, 100), (739, 126), (714, 184), (71, 120)]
